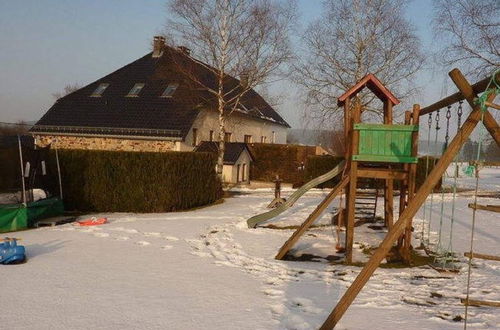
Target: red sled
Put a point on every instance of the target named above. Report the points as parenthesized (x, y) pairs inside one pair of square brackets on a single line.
[(92, 221)]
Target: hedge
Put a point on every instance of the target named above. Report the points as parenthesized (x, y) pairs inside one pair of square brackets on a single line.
[(10, 173), (279, 159), (319, 165), (113, 181)]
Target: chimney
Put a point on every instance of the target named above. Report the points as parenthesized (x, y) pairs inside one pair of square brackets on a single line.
[(158, 45), (185, 50)]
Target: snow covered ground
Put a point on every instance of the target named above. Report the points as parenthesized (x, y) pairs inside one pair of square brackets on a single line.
[(206, 269)]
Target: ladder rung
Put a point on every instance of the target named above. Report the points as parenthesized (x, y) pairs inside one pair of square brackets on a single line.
[(492, 208), (473, 302), (482, 256)]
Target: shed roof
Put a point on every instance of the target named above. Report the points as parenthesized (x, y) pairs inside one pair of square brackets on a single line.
[(374, 85), (232, 153)]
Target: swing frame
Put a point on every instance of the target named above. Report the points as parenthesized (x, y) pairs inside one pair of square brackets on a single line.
[(469, 93)]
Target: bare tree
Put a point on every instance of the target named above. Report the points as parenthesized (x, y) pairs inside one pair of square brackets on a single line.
[(233, 38), (18, 128), (351, 39), (68, 89), (469, 32)]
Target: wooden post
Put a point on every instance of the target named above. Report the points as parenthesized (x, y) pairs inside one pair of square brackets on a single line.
[(414, 205), (351, 191), (23, 184), (403, 188), (406, 252), (389, 183)]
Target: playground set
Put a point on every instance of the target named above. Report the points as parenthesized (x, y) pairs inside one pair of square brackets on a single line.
[(388, 152)]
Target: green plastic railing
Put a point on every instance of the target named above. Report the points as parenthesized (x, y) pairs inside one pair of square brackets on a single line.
[(256, 220)]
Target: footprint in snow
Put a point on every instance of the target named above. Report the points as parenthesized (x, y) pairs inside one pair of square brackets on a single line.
[(170, 238), (152, 234), (122, 238), (101, 235), (167, 247), (143, 243)]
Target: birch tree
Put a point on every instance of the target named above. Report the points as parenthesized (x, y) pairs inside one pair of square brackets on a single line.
[(245, 39), (351, 39), (469, 34)]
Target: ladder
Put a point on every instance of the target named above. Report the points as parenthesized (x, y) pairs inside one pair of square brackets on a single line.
[(365, 205)]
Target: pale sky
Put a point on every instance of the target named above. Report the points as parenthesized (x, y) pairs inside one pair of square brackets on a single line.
[(47, 44)]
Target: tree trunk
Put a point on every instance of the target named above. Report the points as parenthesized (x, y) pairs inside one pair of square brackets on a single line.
[(222, 142)]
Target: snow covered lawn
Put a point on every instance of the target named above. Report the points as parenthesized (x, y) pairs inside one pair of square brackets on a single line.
[(205, 269)]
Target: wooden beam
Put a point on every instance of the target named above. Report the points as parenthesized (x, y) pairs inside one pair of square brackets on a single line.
[(311, 218), (412, 208), (492, 105), (351, 191), (473, 302), (482, 256), (382, 173), (491, 208), (477, 88)]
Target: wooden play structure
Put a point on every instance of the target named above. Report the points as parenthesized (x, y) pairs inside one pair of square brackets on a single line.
[(385, 152), (400, 229)]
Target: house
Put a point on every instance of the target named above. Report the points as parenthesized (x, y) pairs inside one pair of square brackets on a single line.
[(151, 105), (237, 160)]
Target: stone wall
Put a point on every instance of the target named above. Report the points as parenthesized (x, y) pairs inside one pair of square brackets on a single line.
[(104, 143)]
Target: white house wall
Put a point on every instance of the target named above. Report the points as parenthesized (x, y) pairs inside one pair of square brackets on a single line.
[(237, 125)]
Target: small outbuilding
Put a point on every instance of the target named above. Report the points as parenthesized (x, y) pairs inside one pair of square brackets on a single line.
[(237, 160)]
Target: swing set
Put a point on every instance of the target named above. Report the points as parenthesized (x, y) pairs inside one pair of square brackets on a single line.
[(489, 88)]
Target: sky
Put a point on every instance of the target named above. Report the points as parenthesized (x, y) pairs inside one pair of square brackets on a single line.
[(48, 44)]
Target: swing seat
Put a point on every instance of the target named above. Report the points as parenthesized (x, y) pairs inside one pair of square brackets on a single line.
[(11, 253)]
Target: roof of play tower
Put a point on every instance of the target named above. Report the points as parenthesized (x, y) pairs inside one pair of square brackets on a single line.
[(374, 85)]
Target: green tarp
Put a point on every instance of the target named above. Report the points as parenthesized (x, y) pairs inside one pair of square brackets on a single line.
[(17, 216)]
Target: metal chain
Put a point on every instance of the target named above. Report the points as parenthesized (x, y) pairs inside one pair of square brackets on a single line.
[(460, 111), (429, 123), (447, 136)]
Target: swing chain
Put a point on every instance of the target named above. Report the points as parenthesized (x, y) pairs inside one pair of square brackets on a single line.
[(429, 121), (437, 121), (459, 113), (447, 136)]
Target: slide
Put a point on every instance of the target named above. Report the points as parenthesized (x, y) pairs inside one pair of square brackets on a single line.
[(256, 220)]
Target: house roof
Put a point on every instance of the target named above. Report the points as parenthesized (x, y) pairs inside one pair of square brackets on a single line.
[(374, 85), (149, 114), (231, 154)]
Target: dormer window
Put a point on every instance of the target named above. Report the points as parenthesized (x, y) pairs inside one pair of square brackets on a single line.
[(134, 92), (170, 90), (99, 90)]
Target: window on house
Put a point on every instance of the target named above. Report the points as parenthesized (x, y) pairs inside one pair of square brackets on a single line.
[(263, 139), (195, 137), (238, 173), (248, 139), (170, 90), (135, 90), (99, 90), (227, 137), (211, 136), (244, 173), (274, 137)]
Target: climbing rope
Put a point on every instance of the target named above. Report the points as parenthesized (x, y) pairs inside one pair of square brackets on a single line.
[(481, 101)]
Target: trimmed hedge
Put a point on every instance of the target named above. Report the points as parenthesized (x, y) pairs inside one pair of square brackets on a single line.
[(112, 181), (279, 159), (10, 170), (319, 165)]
